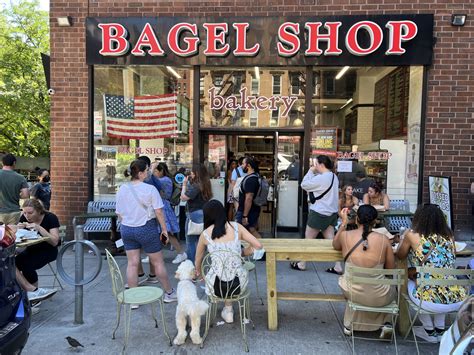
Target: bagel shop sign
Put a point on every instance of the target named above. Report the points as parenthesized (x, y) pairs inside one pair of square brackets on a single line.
[(312, 40)]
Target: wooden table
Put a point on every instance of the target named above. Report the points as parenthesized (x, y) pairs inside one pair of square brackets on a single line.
[(295, 250), (30, 242)]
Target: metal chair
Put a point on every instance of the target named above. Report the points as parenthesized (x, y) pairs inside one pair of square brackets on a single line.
[(54, 271), (225, 265), (250, 266), (134, 296), (365, 276), (424, 279)]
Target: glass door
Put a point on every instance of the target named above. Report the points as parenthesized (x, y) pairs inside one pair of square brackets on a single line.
[(214, 159), (288, 174)]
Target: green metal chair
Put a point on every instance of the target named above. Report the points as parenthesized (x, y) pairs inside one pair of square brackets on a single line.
[(225, 265), (134, 296), (54, 270), (364, 276), (450, 278), (250, 266)]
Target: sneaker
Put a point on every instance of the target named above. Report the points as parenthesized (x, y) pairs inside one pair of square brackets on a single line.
[(152, 279), (40, 294), (171, 297), (346, 331), (141, 280), (227, 314), (180, 258), (146, 260), (439, 333), (429, 336), (134, 306), (386, 332)]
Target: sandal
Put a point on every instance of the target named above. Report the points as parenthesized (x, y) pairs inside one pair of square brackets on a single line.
[(295, 266), (331, 270)]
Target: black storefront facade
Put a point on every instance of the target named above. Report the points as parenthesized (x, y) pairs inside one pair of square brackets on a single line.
[(281, 89)]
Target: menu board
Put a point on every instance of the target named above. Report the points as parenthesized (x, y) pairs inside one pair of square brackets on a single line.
[(391, 105)]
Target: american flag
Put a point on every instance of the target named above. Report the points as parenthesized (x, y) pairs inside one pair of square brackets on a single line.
[(141, 117)]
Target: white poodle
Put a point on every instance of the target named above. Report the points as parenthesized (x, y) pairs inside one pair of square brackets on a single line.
[(188, 305)]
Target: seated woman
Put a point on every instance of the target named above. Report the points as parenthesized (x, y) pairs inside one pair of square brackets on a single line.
[(34, 257), (219, 234), (348, 200), (430, 243), (363, 248), (375, 197)]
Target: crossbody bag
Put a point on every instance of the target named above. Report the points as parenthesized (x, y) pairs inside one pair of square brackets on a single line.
[(135, 196), (313, 198)]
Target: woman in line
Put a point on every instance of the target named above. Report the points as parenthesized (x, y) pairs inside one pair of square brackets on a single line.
[(34, 257), (139, 206), (375, 197), (196, 191), (166, 191), (230, 193), (219, 234), (42, 189), (430, 243), (372, 250)]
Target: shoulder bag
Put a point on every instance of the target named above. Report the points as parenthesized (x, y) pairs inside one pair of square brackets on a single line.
[(313, 198)]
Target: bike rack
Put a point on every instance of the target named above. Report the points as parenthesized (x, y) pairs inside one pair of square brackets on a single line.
[(78, 281)]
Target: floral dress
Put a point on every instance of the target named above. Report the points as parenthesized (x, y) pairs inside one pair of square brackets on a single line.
[(166, 191), (443, 257)]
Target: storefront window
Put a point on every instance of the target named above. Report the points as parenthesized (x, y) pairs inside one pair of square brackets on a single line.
[(255, 97), (371, 117), (140, 110)]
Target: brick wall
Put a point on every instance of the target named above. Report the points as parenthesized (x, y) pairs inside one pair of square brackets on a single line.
[(449, 137)]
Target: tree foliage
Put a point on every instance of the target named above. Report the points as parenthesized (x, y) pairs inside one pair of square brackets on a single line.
[(24, 103)]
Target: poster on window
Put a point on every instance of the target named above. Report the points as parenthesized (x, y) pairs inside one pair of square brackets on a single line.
[(440, 194), (413, 149), (324, 141)]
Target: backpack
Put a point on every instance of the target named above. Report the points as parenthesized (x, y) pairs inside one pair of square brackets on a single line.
[(260, 198), (175, 199)]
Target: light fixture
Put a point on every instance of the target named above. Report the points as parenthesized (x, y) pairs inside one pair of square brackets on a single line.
[(64, 21), (174, 72), (257, 73), (458, 19), (342, 72), (298, 122), (347, 103)]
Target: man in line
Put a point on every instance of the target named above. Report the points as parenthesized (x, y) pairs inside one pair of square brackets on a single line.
[(248, 212), (362, 185), (13, 186), (237, 173)]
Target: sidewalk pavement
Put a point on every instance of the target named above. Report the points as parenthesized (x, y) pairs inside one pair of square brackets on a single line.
[(304, 327)]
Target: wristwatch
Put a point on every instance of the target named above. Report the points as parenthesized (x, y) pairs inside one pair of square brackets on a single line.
[(245, 216)]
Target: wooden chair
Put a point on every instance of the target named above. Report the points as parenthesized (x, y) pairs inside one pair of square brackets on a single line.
[(134, 296), (451, 277), (364, 276), (224, 264)]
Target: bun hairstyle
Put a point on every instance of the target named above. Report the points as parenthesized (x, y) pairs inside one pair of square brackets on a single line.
[(162, 167), (324, 159), (135, 167), (366, 215), (36, 204)]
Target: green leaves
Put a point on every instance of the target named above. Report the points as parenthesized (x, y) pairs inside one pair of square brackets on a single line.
[(24, 103)]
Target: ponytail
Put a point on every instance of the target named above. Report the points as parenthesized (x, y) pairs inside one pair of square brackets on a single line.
[(365, 234), (366, 215)]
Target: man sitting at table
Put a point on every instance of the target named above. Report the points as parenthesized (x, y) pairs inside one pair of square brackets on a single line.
[(34, 257)]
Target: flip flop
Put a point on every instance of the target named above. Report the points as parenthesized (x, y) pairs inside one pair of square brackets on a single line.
[(331, 270), (295, 266)]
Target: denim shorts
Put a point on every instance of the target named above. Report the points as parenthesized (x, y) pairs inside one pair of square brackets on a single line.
[(146, 237)]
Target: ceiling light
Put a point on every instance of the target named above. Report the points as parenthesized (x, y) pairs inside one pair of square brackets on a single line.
[(342, 72), (64, 21), (347, 103), (174, 72), (257, 73)]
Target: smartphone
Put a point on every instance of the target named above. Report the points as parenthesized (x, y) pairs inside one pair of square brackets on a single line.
[(163, 239)]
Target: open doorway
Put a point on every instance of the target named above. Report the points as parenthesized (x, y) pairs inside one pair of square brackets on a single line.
[(278, 157)]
